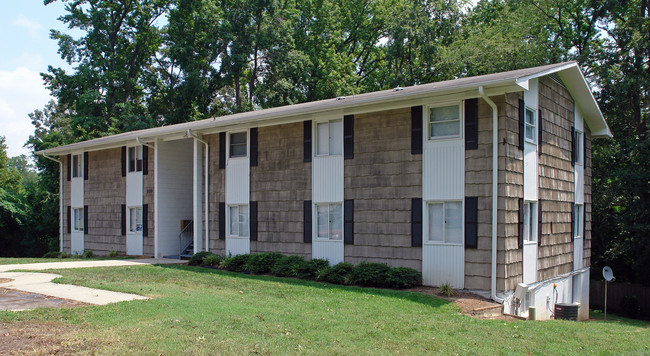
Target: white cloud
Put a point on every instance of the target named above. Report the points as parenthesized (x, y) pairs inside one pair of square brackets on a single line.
[(33, 28), (21, 92)]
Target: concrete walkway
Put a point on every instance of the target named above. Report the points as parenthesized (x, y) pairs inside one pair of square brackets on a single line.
[(40, 283)]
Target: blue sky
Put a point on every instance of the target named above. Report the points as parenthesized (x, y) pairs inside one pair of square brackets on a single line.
[(25, 51)]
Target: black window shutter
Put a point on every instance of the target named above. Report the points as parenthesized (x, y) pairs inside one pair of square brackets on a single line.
[(306, 143), (145, 219), (416, 130), (573, 221), (522, 118), (307, 221), (416, 222), (85, 219), (222, 221), (69, 166), (145, 160), (69, 219), (573, 146), (471, 124), (540, 132), (253, 220), (222, 150), (520, 223), (253, 145), (471, 222), (123, 220), (123, 161), (85, 165), (348, 219), (348, 136), (539, 222)]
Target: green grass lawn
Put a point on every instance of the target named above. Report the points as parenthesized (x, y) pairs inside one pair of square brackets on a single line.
[(205, 311)]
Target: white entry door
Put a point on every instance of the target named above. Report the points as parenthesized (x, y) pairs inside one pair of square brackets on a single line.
[(134, 242), (443, 250), (327, 242)]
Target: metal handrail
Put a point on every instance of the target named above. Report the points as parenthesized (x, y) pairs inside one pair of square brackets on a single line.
[(180, 238)]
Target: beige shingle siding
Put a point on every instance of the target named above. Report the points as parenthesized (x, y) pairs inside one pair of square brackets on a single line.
[(280, 183), (216, 193), (104, 194), (382, 178)]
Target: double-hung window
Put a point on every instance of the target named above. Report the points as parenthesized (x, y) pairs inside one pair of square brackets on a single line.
[(238, 145), (329, 138), (530, 221), (330, 221), (530, 125), (135, 219), (135, 159), (77, 166), (579, 149), (239, 220), (444, 122), (578, 220), (446, 222), (78, 219)]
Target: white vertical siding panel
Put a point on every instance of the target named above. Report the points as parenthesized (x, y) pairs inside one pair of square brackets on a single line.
[(134, 188), (577, 253), (443, 264), (238, 181), (444, 170), (237, 246), (328, 179), (329, 250), (530, 262), (531, 175)]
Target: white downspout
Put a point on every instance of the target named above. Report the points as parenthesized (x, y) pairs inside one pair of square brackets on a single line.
[(495, 171), (207, 216), (60, 200)]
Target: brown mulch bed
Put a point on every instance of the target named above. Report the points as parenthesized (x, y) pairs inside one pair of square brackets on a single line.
[(469, 303)]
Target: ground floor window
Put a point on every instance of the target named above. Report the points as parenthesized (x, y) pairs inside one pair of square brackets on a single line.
[(330, 221), (78, 219), (530, 221), (135, 219), (446, 222), (239, 220)]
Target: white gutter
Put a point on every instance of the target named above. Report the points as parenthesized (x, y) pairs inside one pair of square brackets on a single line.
[(207, 216), (495, 184), (60, 199)]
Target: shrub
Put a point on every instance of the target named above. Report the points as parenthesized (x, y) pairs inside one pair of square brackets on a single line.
[(259, 263), (447, 290), (403, 277), (64, 255), (629, 306), (369, 274), (88, 254), (236, 263), (336, 274), (113, 254), (310, 269), (52, 254), (288, 266), (197, 258), (212, 260)]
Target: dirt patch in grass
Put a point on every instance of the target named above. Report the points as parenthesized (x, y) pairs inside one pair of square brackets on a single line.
[(469, 303), (11, 299), (32, 338)]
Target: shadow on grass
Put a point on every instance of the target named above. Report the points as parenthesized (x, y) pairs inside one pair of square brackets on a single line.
[(599, 316), (400, 294)]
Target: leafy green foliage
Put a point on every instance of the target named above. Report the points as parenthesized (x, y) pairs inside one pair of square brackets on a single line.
[(236, 263), (311, 268), (288, 266), (260, 263), (447, 290), (337, 274), (212, 260), (403, 277), (197, 258), (369, 274)]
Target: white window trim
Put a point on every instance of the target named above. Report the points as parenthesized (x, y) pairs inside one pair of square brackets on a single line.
[(530, 222), (229, 220), (580, 147), (315, 221), (80, 160), (526, 125), (129, 221), (427, 121), (75, 213), (315, 137), (426, 239), (137, 149), (228, 144)]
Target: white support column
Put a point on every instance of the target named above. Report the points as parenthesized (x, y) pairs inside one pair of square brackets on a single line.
[(156, 235), (197, 192)]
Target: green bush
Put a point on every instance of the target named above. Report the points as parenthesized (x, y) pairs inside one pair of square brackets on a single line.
[(88, 254), (52, 254), (369, 274), (212, 260), (64, 255), (236, 263), (336, 274), (288, 266), (113, 254), (260, 263), (403, 277), (447, 290), (310, 269), (197, 258)]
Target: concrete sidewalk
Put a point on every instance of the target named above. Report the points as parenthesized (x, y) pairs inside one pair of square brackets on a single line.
[(40, 283)]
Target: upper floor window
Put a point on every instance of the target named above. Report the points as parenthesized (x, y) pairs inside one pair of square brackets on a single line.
[(77, 166), (446, 222), (329, 138), (135, 159), (530, 125), (238, 145), (530, 221), (579, 149), (444, 122)]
